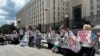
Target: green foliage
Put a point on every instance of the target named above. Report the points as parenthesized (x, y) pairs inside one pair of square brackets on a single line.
[(7, 28)]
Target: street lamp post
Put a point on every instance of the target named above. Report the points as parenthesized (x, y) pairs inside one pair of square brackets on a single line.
[(19, 22), (66, 21)]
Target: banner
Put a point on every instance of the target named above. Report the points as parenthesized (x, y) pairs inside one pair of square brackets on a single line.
[(84, 36), (71, 44)]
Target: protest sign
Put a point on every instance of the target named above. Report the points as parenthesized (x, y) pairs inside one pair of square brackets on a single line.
[(64, 44), (84, 36), (71, 44)]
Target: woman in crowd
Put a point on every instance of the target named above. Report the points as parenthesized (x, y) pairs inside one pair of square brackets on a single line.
[(56, 47), (31, 37), (50, 36), (14, 37), (67, 35), (37, 37), (88, 47), (25, 40), (21, 33)]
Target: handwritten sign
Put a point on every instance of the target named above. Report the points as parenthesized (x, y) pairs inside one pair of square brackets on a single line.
[(84, 35), (72, 44), (64, 44)]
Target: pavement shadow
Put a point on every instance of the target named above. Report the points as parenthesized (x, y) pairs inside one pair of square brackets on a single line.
[(44, 47), (3, 43)]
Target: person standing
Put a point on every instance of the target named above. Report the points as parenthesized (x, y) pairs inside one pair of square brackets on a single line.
[(31, 37), (25, 40), (37, 37), (21, 34)]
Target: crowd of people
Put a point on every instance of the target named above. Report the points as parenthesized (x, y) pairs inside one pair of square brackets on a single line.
[(24, 37), (11, 38), (70, 44), (66, 43)]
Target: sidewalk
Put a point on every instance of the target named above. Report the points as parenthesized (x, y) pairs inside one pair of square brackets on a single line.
[(44, 42), (16, 50)]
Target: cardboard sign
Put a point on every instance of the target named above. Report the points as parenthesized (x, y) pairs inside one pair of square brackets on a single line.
[(64, 44), (84, 36), (72, 45)]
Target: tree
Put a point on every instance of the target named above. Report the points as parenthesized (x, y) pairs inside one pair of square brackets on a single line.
[(7, 28)]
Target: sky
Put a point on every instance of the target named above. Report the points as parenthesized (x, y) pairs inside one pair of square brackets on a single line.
[(9, 9)]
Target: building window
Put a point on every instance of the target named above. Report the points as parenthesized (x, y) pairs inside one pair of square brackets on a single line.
[(40, 14), (98, 12), (54, 7), (91, 1), (63, 13), (58, 19), (91, 13), (91, 7), (54, 1), (54, 18), (43, 19), (42, 3), (43, 15), (98, 5), (58, 13), (54, 13)]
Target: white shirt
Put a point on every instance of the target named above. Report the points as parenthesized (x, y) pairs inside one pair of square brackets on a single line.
[(36, 33), (51, 35), (21, 32), (27, 34), (69, 34), (13, 36)]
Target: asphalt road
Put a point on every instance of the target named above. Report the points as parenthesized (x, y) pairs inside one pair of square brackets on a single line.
[(16, 50)]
